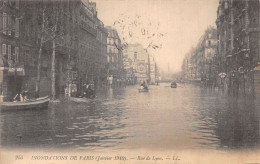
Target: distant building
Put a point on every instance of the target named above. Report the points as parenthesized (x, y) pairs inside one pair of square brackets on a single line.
[(136, 60), (200, 64), (153, 71), (115, 67), (101, 49), (208, 65)]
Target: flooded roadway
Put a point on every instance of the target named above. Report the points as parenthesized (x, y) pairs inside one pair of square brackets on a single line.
[(187, 117)]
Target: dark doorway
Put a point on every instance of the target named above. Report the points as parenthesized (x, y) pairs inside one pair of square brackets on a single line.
[(14, 86)]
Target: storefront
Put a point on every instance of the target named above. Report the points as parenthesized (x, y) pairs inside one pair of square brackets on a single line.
[(11, 81), (11, 70), (15, 79)]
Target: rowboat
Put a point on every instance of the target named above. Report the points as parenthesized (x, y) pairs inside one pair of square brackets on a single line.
[(39, 103), (143, 90), (173, 84)]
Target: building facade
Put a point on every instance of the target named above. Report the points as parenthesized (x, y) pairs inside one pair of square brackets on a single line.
[(152, 70), (200, 64), (129, 67), (238, 48), (88, 45), (80, 46), (10, 48), (115, 67), (137, 64)]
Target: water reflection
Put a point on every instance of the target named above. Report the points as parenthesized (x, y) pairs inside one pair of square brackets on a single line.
[(87, 125), (238, 125), (25, 128), (187, 117), (226, 122)]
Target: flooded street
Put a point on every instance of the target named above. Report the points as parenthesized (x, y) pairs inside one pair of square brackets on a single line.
[(186, 117)]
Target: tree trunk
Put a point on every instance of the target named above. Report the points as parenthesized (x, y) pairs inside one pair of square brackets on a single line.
[(37, 87), (53, 78)]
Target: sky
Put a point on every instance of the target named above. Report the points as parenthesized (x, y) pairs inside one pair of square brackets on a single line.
[(177, 25)]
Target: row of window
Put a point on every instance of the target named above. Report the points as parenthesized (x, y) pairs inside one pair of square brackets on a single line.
[(12, 3), (112, 49), (211, 43), (112, 41), (209, 51), (110, 59), (101, 37), (12, 52), (87, 21), (13, 56), (10, 23), (89, 12), (112, 34), (87, 47)]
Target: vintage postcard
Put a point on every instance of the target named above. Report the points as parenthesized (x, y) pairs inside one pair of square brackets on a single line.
[(129, 81)]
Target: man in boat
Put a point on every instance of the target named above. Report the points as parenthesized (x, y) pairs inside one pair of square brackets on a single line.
[(88, 92), (23, 95), (17, 97), (143, 85), (25, 92)]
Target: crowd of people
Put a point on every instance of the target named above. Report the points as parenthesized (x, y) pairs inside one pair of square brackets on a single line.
[(87, 91)]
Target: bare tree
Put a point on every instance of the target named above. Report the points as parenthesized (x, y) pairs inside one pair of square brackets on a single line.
[(41, 42), (50, 22)]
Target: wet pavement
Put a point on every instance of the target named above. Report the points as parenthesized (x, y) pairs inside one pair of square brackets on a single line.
[(186, 117)]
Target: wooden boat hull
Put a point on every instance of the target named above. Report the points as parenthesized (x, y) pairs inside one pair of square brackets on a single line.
[(78, 99), (39, 103), (143, 90), (174, 85)]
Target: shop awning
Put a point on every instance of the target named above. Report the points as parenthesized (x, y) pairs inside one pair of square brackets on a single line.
[(19, 71)]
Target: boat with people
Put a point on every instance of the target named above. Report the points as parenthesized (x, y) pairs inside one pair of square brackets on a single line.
[(38, 103), (173, 84), (87, 95), (143, 89)]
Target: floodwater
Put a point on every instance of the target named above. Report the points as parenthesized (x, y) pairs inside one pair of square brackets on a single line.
[(187, 117)]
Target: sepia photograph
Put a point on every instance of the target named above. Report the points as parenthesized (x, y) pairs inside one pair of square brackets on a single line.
[(130, 81)]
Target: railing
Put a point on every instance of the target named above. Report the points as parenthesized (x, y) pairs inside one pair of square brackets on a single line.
[(88, 28)]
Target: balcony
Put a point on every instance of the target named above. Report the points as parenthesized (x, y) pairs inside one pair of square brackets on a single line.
[(88, 28)]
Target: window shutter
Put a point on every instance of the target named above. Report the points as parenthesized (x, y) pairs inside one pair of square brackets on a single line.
[(17, 27), (4, 49), (9, 52), (4, 22), (9, 25), (16, 54)]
